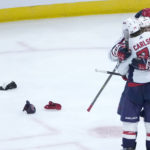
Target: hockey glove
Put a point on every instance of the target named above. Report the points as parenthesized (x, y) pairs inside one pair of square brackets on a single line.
[(8, 86), (141, 63), (123, 53), (145, 13), (124, 77), (29, 108), (52, 105)]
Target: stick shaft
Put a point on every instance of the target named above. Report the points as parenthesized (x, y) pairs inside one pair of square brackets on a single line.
[(101, 89), (93, 102), (108, 72)]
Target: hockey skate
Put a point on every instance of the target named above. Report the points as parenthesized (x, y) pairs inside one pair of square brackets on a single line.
[(52, 105)]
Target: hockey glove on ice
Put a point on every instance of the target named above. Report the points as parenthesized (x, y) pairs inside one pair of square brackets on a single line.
[(123, 53), (29, 108), (8, 86), (141, 63), (52, 105)]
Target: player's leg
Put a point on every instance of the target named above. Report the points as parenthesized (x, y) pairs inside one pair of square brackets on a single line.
[(147, 127), (129, 135), (146, 116), (146, 113), (129, 113)]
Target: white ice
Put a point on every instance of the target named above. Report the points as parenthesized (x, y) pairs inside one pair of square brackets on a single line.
[(55, 59)]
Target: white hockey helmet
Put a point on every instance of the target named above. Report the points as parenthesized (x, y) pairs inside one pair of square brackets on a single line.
[(132, 25), (144, 22)]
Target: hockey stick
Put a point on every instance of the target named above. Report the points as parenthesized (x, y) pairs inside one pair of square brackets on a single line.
[(108, 72), (101, 89), (126, 36)]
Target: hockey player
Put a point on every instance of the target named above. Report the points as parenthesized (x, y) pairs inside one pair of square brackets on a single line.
[(120, 44), (136, 95)]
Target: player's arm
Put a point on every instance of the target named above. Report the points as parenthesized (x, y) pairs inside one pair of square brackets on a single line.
[(114, 50), (124, 66), (119, 52)]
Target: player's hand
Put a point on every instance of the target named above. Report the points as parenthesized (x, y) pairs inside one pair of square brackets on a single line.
[(141, 63), (124, 77), (123, 53)]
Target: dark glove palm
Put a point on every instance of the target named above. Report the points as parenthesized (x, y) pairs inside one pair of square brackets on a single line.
[(123, 53), (141, 63)]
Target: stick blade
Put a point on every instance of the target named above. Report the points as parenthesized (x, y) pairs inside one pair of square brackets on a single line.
[(89, 108)]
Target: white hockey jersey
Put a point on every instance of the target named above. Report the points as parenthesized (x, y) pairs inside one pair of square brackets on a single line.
[(139, 45)]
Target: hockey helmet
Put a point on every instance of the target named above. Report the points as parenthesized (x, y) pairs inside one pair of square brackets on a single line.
[(132, 25), (144, 22)]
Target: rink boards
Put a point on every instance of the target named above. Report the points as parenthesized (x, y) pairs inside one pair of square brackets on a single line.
[(29, 9)]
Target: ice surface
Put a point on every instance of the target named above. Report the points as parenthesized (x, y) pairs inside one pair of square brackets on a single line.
[(55, 59)]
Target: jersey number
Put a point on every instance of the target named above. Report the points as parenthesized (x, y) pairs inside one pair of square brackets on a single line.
[(144, 53)]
